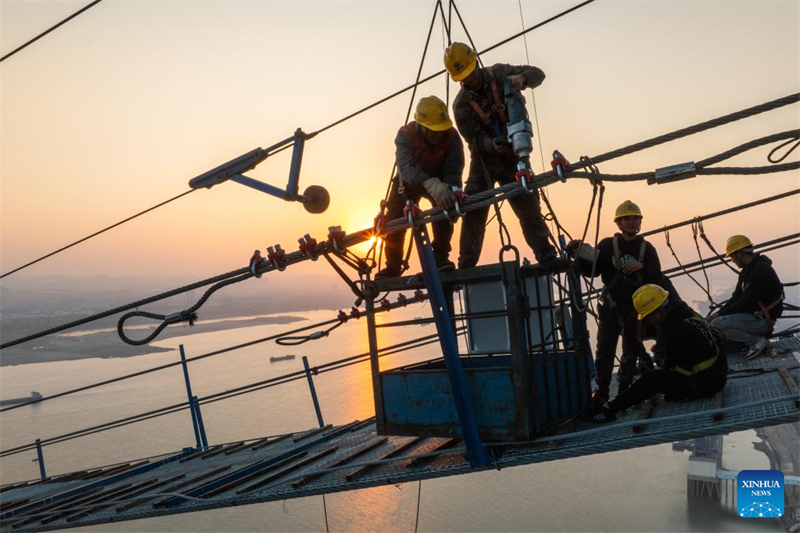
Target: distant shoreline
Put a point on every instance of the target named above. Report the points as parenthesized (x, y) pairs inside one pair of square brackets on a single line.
[(107, 344)]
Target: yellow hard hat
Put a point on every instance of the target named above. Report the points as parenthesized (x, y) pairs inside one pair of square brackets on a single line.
[(627, 209), (459, 60), (736, 243), (432, 113), (648, 298)]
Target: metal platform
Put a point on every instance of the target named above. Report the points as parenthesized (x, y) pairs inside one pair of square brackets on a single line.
[(333, 459)]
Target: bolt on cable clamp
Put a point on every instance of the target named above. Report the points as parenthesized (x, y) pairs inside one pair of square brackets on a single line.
[(673, 173), (411, 211), (307, 245), (402, 299), (419, 295), (355, 312), (559, 165), (275, 256), (336, 238), (386, 305), (524, 176), (256, 260), (342, 316)]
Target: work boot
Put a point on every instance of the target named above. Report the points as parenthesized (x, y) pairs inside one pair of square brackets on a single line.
[(599, 397), (601, 414), (445, 265), (761, 347), (388, 272), (554, 264)]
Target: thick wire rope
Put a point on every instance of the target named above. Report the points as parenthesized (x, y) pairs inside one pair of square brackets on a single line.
[(483, 199), (289, 145), (95, 234), (20, 48), (284, 334)]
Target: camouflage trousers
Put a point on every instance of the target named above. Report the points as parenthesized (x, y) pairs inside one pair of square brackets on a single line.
[(527, 209)]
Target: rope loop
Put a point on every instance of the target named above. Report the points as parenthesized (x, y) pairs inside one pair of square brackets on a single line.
[(796, 142)]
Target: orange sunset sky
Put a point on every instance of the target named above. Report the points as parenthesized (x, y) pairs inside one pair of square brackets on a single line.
[(119, 108)]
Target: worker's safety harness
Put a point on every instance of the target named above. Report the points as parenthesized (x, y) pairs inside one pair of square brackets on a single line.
[(498, 107), (712, 336)]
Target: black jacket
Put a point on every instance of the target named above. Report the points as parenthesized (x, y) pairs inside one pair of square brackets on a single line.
[(758, 282), (622, 286), (689, 341)]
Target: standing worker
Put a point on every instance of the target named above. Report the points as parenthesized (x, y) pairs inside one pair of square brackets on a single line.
[(430, 160), (757, 300), (695, 364), (480, 116), (624, 262)]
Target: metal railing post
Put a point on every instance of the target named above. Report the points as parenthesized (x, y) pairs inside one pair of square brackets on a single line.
[(190, 396), (200, 426), (40, 458), (313, 391)]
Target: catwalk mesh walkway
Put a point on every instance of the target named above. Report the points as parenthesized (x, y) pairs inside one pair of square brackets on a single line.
[(760, 393)]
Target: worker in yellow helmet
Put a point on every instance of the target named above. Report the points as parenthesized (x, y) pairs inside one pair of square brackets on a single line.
[(757, 301), (624, 262), (695, 365), (430, 161), (479, 113)]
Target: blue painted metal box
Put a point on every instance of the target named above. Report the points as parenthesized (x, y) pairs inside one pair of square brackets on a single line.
[(530, 376)]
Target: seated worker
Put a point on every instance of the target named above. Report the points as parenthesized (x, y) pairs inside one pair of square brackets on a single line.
[(695, 364), (624, 262), (430, 160), (757, 301)]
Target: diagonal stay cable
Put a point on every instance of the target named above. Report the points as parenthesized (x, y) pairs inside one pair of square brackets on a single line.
[(95, 234), (20, 48)]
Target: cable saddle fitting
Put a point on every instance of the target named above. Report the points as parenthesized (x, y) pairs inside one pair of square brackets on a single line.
[(315, 199)]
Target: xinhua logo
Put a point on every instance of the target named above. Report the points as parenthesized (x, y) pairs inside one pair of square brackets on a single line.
[(759, 493)]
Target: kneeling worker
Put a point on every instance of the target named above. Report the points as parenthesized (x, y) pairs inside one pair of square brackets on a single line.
[(695, 364), (430, 161), (757, 300)]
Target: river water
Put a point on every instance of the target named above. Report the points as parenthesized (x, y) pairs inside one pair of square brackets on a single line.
[(635, 490)]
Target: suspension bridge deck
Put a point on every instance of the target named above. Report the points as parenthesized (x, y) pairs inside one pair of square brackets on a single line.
[(760, 393)]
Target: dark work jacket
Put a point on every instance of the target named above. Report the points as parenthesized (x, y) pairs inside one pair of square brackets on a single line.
[(758, 282), (689, 341), (418, 161), (622, 286)]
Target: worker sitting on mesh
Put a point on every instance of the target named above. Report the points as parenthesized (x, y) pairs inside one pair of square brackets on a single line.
[(695, 364), (757, 300), (430, 160), (624, 262), (480, 114)]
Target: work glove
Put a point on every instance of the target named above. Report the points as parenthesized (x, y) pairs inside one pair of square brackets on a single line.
[(581, 250), (441, 193)]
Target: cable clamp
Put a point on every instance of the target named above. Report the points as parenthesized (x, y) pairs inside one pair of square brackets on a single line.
[(386, 305), (380, 223), (560, 165), (355, 312), (459, 205), (419, 295), (336, 238), (524, 176), (256, 260), (275, 255), (411, 211), (307, 245), (402, 299)]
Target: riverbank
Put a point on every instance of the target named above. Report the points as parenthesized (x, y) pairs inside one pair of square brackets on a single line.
[(107, 344)]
